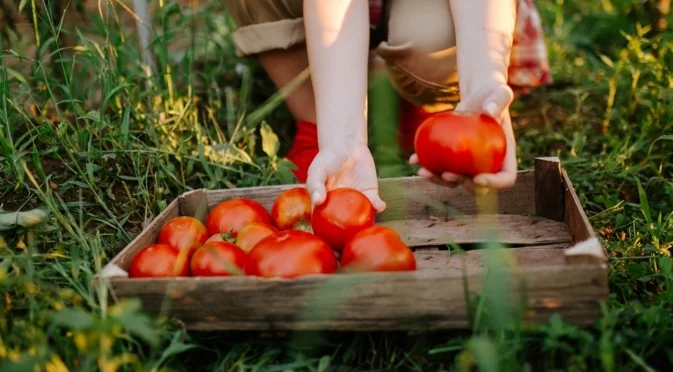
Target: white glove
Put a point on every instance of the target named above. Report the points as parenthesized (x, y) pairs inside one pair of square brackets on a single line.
[(492, 99), (332, 169)]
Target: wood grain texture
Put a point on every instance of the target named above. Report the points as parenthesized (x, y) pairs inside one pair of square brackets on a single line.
[(194, 204), (416, 198), (509, 229), (148, 236), (412, 197), (575, 218), (586, 252), (476, 259), (587, 248), (429, 299), (549, 189)]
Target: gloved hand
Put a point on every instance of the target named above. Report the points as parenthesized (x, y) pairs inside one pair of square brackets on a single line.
[(333, 168), (492, 98), (338, 49)]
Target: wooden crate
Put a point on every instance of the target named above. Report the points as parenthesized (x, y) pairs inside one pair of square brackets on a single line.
[(560, 265)]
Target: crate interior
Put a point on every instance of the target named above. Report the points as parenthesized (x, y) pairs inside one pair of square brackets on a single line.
[(435, 220)]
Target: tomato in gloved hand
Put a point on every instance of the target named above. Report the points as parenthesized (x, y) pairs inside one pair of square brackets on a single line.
[(159, 260), (344, 213), (460, 143), (218, 259), (290, 254), (231, 215), (252, 233), (292, 209), (183, 233), (378, 248)]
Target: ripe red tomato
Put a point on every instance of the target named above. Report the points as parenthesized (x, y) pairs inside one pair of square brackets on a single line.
[(344, 213), (290, 254), (461, 143), (292, 209), (378, 248), (159, 260), (252, 233), (233, 214), (183, 233), (218, 259)]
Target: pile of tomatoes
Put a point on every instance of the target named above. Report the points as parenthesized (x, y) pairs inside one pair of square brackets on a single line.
[(240, 237)]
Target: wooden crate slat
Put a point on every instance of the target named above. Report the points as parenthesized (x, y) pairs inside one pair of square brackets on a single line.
[(510, 229), (194, 204), (587, 248), (476, 259), (412, 197), (575, 218), (549, 189), (430, 299)]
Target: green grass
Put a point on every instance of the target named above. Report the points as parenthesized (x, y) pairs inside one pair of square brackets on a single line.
[(104, 164)]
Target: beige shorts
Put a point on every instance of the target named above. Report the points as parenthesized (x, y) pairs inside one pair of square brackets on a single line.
[(418, 48)]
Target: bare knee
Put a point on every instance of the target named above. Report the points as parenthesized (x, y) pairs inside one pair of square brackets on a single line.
[(427, 24), (420, 53)]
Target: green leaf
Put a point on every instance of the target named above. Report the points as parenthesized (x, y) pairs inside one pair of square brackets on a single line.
[(485, 353), (284, 172), (128, 313), (607, 60), (666, 265), (73, 318), (17, 75), (92, 115), (665, 137), (324, 364), (644, 204), (22, 5), (231, 153), (270, 143), (176, 347), (638, 360), (124, 130)]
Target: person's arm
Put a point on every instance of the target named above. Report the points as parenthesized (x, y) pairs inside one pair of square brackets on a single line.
[(484, 36), (337, 40)]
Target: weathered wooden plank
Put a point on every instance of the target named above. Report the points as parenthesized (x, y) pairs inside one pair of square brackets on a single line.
[(587, 252), (587, 248), (476, 259), (429, 299), (412, 197), (416, 198), (509, 229), (549, 190), (194, 204), (120, 263), (575, 218)]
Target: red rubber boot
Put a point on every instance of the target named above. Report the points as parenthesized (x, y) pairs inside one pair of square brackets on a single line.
[(411, 117), (304, 149)]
